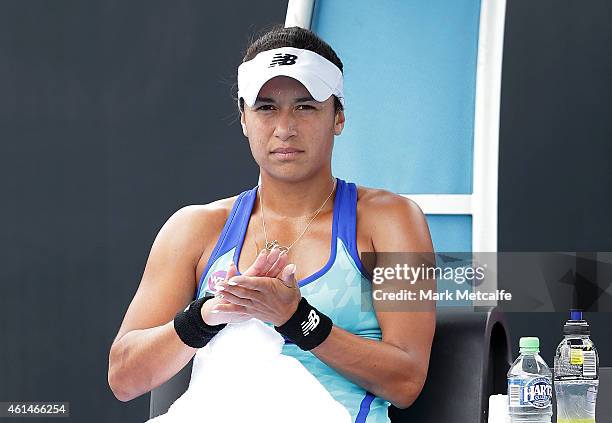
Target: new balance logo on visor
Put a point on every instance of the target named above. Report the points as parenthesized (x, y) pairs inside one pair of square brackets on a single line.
[(312, 322), (283, 59)]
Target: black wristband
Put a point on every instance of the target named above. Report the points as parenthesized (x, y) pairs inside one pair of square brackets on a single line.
[(190, 326), (308, 327)]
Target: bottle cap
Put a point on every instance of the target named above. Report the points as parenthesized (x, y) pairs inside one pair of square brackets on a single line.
[(575, 314), (576, 325), (529, 344)]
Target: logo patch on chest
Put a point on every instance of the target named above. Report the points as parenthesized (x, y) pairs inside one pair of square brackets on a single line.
[(215, 278)]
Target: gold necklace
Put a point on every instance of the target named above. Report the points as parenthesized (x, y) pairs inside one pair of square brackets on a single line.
[(274, 243)]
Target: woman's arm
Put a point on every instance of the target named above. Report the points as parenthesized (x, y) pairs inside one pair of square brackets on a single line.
[(147, 351), (394, 369)]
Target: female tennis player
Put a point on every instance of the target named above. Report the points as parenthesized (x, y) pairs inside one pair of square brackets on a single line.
[(297, 236)]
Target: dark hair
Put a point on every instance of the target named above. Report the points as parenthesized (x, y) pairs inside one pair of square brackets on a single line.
[(279, 36)]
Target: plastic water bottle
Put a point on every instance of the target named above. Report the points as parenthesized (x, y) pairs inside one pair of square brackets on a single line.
[(576, 373), (530, 385)]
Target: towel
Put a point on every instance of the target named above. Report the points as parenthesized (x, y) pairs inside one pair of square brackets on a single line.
[(242, 376)]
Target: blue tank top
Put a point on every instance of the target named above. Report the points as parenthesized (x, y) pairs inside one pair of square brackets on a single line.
[(335, 290)]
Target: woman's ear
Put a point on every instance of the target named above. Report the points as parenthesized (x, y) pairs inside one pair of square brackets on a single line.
[(243, 124), (339, 122)]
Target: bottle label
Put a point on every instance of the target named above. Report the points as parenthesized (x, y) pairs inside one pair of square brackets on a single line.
[(576, 356), (589, 366), (533, 392), (576, 361)]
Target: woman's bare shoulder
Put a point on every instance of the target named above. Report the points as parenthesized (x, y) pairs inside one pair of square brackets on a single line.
[(206, 220), (373, 200), (383, 215), (214, 209), (375, 205), (377, 200)]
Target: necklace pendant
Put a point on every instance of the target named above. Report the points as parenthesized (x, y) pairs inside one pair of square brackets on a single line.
[(274, 243), (271, 244)]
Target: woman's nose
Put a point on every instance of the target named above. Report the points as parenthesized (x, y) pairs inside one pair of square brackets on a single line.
[(285, 125)]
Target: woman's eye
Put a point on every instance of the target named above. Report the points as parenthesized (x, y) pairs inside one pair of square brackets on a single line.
[(268, 107)]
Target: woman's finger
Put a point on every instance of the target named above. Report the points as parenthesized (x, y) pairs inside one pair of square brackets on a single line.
[(271, 259), (229, 308), (235, 299), (231, 272), (278, 265), (258, 265), (287, 276)]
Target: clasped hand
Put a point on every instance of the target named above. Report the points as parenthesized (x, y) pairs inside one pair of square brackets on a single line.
[(267, 290)]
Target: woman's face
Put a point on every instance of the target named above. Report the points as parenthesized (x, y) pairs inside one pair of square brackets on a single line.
[(291, 135)]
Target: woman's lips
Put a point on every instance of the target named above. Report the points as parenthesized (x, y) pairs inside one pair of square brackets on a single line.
[(286, 153)]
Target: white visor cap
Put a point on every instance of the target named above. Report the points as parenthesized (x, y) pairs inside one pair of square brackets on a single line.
[(320, 76)]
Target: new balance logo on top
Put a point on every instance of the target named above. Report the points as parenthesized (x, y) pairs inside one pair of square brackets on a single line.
[(283, 59), (312, 322)]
